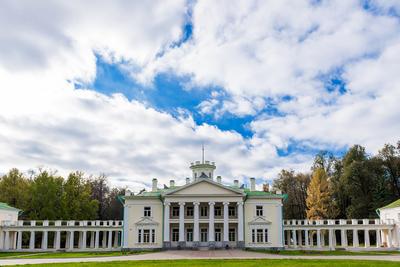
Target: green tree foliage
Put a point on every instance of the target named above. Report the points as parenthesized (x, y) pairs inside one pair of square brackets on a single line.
[(14, 189), (295, 186), (77, 202), (46, 194)]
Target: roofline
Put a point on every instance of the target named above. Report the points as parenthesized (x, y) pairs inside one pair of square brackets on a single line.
[(202, 180)]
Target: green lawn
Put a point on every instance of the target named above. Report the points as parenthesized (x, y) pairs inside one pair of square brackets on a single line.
[(41, 255), (327, 253), (233, 263)]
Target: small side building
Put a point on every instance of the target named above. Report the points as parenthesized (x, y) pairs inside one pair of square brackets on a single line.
[(8, 213), (8, 216), (391, 212)]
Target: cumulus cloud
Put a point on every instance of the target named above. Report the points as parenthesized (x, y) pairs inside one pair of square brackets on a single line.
[(260, 53)]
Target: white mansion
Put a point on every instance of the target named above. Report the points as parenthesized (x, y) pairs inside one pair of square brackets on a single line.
[(203, 213)]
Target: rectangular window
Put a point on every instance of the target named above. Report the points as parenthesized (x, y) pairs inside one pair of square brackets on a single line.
[(189, 235), (147, 212), (231, 211), (217, 234), (217, 211), (175, 235), (259, 211), (189, 211), (139, 236), (203, 234), (259, 235), (175, 211), (253, 235), (146, 236), (203, 211), (153, 235), (265, 235), (232, 234)]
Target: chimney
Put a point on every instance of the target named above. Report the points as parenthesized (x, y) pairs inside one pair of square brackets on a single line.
[(154, 185), (219, 179), (252, 184), (187, 180), (236, 183), (171, 183)]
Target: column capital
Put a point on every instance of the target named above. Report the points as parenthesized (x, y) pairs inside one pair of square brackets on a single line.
[(196, 203), (167, 203), (225, 203), (182, 203), (211, 203), (239, 203)]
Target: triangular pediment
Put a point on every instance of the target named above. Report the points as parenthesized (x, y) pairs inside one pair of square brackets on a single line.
[(205, 187), (259, 221), (146, 221)]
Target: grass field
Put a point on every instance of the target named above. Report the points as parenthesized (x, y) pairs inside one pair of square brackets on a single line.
[(43, 255), (327, 253), (233, 263)]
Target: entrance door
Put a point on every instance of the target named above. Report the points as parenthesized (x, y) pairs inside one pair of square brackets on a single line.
[(203, 237)]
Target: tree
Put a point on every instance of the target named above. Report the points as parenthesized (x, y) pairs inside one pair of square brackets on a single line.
[(100, 192), (390, 156), (360, 176), (319, 199), (295, 186), (77, 202), (46, 195), (14, 189)]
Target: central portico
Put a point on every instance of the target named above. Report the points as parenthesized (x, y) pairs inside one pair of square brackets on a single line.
[(203, 213)]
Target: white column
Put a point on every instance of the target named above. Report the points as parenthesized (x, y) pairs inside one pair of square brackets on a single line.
[(240, 221), (166, 221), (366, 238), (84, 238), (378, 238), (294, 234), (71, 240), (389, 238), (323, 238), (330, 232), (96, 240), (181, 221), (355, 238), (44, 240), (110, 239), (288, 238), (57, 240), (318, 238), (92, 234), (311, 236), (116, 238), (196, 223), (7, 240), (211, 235), (32, 240), (300, 238), (104, 241), (226, 221), (306, 236), (19, 240), (343, 237)]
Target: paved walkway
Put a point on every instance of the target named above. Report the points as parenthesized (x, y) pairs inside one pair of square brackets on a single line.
[(202, 254)]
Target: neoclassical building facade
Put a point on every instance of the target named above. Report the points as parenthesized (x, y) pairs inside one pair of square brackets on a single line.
[(203, 213)]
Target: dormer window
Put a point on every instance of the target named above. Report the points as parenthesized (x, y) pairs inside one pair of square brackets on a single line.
[(147, 212), (259, 210)]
